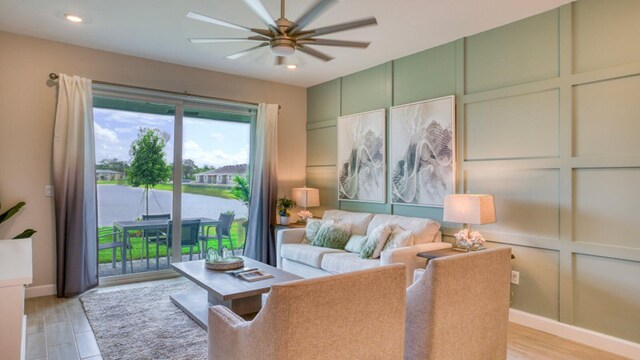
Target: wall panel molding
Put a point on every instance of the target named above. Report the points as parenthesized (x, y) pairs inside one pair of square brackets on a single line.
[(570, 196)]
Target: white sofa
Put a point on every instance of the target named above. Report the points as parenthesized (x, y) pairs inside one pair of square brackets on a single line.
[(297, 256)]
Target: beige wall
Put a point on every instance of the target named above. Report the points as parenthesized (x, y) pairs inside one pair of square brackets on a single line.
[(28, 101)]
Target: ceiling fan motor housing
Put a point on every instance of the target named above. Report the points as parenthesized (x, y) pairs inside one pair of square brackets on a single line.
[(282, 46)]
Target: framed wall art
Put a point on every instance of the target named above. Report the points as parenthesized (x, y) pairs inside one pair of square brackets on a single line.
[(422, 152), (361, 157)]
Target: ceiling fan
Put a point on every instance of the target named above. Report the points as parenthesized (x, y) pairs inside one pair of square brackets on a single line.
[(284, 36)]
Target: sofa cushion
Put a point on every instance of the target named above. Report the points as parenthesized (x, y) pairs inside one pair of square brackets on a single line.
[(423, 230), (310, 231), (375, 242), (346, 262), (359, 221), (398, 238), (306, 254), (332, 234), (355, 243)]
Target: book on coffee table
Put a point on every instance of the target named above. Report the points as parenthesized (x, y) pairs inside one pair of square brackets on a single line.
[(254, 275)]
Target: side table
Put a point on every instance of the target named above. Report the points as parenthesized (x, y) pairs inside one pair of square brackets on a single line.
[(434, 254)]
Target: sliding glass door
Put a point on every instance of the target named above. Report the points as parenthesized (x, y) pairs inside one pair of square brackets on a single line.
[(216, 152), (141, 191)]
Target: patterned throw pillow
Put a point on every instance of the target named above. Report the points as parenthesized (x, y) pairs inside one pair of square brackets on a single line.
[(375, 242), (399, 238), (332, 235), (355, 243), (313, 225)]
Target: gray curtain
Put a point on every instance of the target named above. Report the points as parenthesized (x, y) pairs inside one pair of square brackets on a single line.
[(264, 187), (75, 188)]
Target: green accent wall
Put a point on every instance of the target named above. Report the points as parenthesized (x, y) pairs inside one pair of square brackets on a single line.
[(548, 117)]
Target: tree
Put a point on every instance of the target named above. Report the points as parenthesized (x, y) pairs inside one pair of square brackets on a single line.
[(112, 164), (241, 189), (148, 167), (189, 169)]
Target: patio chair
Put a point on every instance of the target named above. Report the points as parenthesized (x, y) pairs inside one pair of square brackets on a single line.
[(149, 236), (188, 237), (113, 245), (223, 229)]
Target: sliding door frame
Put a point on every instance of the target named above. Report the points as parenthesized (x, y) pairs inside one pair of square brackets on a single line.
[(180, 102)]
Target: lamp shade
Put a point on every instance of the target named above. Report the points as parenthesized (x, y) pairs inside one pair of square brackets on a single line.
[(306, 197), (469, 209)]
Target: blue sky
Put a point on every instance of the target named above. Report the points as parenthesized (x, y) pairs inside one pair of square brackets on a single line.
[(206, 142)]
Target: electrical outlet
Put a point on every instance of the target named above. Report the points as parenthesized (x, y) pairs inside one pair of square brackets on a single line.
[(515, 277), (48, 190)]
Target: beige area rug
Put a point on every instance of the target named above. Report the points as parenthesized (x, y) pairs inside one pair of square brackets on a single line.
[(141, 322)]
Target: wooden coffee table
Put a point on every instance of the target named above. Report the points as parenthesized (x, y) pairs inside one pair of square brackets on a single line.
[(218, 288)]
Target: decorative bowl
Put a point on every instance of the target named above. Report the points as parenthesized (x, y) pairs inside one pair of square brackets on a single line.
[(230, 263)]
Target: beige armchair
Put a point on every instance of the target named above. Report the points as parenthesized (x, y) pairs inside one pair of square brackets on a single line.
[(459, 308), (358, 315)]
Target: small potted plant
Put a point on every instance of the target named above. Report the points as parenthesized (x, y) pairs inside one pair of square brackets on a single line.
[(284, 204)]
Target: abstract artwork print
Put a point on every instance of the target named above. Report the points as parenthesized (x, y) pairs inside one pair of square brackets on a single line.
[(361, 157), (422, 152)]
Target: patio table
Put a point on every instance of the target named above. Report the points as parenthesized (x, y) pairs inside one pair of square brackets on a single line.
[(155, 224)]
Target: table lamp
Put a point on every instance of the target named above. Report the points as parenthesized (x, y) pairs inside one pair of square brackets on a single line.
[(306, 197), (469, 209)]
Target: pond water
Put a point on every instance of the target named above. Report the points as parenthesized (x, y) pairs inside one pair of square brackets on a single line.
[(117, 202)]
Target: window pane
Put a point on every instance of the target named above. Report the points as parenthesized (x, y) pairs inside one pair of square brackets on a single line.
[(216, 153), (134, 156)]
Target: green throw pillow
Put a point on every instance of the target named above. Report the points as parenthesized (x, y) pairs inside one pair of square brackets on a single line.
[(313, 225), (332, 235), (375, 242)]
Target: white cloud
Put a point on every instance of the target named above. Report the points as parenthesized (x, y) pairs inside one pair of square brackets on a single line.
[(193, 151), (217, 136), (125, 130), (104, 134)]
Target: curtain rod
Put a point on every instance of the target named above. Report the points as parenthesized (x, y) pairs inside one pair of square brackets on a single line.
[(54, 77)]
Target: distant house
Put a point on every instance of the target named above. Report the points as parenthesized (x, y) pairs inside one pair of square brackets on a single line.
[(221, 176), (109, 175)]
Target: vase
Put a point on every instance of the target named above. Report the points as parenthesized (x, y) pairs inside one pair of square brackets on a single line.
[(284, 220)]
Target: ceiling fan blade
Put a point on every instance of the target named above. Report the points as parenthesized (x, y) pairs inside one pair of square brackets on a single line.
[(259, 9), (195, 16), (279, 60), (220, 40), (314, 53), (327, 42), (342, 27), (245, 52), (318, 8)]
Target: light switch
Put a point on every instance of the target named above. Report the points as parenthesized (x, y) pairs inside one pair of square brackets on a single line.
[(48, 190)]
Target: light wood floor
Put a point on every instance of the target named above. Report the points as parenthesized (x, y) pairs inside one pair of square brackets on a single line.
[(59, 329)]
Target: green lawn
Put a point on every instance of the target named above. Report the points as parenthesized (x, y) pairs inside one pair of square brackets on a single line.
[(104, 256), (208, 190)]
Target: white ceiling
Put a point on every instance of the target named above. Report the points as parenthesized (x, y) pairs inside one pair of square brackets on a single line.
[(158, 29)]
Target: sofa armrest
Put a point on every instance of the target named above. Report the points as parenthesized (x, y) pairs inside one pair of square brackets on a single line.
[(409, 256), (287, 236), (225, 332)]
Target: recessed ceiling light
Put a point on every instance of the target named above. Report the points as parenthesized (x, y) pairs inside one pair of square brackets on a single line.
[(73, 18), (292, 66)]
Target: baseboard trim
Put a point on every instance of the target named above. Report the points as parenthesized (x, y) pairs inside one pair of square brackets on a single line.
[(40, 290), (592, 338), (138, 277)]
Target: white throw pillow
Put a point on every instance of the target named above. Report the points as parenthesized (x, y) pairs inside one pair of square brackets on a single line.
[(355, 243), (375, 242), (398, 238)]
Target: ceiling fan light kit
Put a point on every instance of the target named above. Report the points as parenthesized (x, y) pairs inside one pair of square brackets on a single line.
[(285, 37)]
